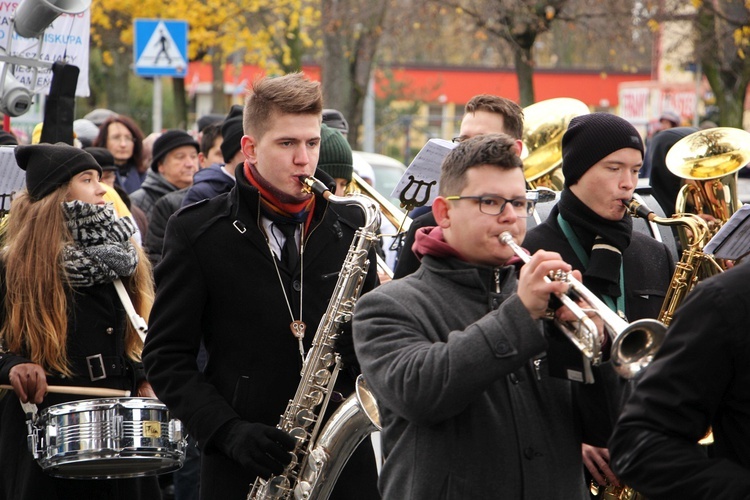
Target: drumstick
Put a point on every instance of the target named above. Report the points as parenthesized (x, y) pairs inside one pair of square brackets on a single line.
[(101, 392)]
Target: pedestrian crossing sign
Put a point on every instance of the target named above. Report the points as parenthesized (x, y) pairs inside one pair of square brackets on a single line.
[(160, 47)]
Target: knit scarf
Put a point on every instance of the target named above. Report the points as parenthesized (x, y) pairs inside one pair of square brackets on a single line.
[(603, 239), (101, 250), (276, 205)]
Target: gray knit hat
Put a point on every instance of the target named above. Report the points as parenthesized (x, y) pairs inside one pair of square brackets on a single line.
[(594, 136), (335, 154), (49, 166)]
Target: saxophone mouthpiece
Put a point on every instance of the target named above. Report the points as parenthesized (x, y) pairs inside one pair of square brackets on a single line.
[(313, 185), (638, 209)]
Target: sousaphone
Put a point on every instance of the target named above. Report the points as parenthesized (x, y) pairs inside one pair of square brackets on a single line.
[(544, 124)]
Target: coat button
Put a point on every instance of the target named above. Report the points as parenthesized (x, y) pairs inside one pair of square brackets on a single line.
[(110, 330), (529, 453), (513, 378), (502, 347), (297, 286)]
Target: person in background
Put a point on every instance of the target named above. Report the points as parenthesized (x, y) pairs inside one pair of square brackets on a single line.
[(699, 379), (669, 119), (219, 177), (60, 312), (484, 114), (210, 143), (335, 119), (264, 251), (664, 184), (454, 353), (124, 140), (175, 161), (107, 162), (85, 131), (335, 158), (8, 138)]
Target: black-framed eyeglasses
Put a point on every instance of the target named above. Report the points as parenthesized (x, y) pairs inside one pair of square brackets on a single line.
[(459, 138), (494, 205)]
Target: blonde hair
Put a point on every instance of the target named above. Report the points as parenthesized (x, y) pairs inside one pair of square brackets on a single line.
[(36, 306)]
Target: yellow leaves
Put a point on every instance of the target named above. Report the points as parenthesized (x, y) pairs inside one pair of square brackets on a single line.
[(107, 58), (698, 3), (653, 25)]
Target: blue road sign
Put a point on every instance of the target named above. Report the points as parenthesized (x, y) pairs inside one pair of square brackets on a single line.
[(160, 47)]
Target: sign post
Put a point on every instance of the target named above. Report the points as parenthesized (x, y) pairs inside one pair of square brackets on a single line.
[(160, 48)]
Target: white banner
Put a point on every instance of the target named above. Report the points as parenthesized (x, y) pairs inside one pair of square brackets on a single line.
[(65, 38)]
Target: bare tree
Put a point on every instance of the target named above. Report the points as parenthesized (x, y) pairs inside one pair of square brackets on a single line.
[(351, 33)]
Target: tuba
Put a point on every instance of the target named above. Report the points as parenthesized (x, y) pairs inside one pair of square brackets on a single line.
[(544, 124), (322, 451), (633, 344), (708, 161)]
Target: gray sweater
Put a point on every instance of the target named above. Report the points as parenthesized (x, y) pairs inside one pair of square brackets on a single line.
[(459, 372)]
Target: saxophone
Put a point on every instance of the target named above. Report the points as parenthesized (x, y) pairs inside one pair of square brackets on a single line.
[(320, 454), (693, 266)]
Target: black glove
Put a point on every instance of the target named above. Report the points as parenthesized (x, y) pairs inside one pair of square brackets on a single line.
[(344, 345), (262, 450)]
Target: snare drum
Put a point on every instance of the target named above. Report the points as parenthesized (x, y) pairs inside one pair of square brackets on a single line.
[(107, 438)]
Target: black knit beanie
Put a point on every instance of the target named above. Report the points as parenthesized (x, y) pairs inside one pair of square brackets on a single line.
[(103, 157), (590, 138), (335, 154), (169, 140), (49, 166), (231, 133)]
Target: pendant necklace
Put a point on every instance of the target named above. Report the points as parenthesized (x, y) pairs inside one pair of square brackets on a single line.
[(297, 326)]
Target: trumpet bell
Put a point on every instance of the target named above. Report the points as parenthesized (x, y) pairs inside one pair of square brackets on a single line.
[(709, 154), (635, 346), (545, 122)]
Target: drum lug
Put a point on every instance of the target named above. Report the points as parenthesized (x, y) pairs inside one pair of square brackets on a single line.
[(175, 431), (32, 439)]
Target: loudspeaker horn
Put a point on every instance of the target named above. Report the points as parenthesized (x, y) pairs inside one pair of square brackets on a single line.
[(33, 16)]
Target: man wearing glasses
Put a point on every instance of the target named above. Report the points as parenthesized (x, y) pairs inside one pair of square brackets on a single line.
[(484, 114), (592, 230), (454, 352)]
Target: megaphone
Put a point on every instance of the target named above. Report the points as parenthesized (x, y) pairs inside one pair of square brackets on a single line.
[(33, 16)]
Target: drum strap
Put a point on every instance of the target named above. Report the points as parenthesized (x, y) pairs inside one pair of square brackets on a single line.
[(135, 319)]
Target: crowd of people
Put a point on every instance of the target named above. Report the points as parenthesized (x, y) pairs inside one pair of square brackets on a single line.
[(233, 265)]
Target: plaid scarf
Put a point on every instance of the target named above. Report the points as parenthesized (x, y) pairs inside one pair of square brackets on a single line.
[(101, 250)]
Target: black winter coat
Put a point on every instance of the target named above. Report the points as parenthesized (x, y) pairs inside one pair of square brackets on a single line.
[(217, 283), (648, 268), (96, 325)]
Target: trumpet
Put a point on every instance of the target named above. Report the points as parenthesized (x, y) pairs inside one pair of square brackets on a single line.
[(633, 344)]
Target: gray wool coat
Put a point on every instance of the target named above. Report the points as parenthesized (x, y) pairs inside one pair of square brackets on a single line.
[(467, 406)]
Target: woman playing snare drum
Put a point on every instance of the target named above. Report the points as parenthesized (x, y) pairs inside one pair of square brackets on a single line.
[(62, 320)]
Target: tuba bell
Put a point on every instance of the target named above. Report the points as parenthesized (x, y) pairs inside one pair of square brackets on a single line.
[(708, 162), (544, 124)]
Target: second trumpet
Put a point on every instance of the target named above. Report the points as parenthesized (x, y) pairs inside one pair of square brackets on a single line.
[(633, 344)]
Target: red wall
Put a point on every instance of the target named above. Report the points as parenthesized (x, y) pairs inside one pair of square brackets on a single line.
[(458, 85)]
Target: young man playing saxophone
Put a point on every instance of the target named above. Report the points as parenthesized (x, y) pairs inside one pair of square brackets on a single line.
[(590, 227), (240, 272), (454, 352)]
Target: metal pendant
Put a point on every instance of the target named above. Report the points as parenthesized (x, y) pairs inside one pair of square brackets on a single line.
[(298, 328)]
